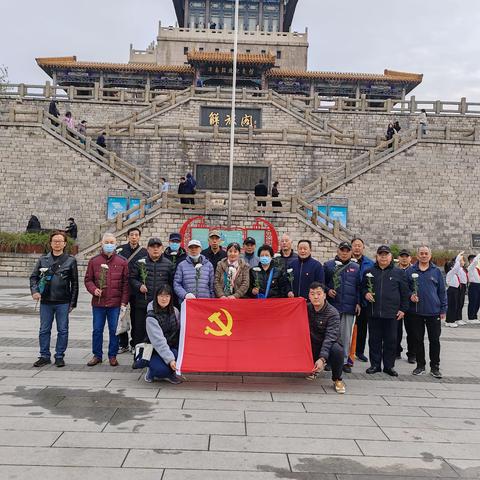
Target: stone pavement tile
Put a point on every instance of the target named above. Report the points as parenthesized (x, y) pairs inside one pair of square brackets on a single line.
[(459, 394), (386, 477), (75, 457), (397, 392), (396, 384), (113, 375), (372, 466), (335, 399), (54, 382), (143, 393), (17, 373), (310, 387), (314, 431), (453, 412), (172, 474), (274, 379), (77, 473), (465, 468), (216, 378), (242, 461), (49, 424), (128, 440), (309, 418), (173, 392), (431, 435), (366, 409), (162, 413), (469, 387), (21, 438), (120, 401), (426, 450), (432, 402), (148, 425), (225, 443), (192, 404), (426, 422), (40, 411)]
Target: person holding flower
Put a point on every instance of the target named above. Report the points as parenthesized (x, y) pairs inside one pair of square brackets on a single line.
[(174, 252), (106, 279), (342, 279), (268, 280), (305, 269), (385, 287), (54, 282), (232, 277), (428, 307), (146, 275), (194, 276)]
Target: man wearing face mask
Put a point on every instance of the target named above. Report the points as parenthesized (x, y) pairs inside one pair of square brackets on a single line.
[(174, 252), (194, 276), (146, 275), (106, 279)]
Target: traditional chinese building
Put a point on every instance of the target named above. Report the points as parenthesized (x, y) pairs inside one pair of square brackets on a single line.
[(199, 51)]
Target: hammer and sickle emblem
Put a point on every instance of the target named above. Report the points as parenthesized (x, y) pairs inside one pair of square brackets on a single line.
[(225, 329)]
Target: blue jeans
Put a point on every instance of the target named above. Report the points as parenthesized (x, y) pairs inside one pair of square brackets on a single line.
[(158, 368), (47, 314), (100, 315)]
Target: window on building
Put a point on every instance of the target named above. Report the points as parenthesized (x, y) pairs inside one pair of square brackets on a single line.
[(279, 54)]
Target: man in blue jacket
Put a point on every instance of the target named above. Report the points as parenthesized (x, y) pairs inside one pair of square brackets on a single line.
[(428, 306), (306, 270), (342, 279)]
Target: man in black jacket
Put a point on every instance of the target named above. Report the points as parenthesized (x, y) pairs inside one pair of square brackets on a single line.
[(324, 323), (146, 275), (131, 251), (261, 190), (174, 252), (54, 281), (385, 287)]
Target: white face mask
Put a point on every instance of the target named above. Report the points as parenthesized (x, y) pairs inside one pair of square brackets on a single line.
[(195, 258)]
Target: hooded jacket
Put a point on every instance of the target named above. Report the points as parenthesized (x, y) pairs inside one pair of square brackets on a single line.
[(188, 281)]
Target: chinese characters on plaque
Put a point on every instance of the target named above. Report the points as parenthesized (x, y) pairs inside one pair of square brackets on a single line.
[(221, 117)]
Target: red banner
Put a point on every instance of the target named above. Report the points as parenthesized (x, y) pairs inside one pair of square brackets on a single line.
[(245, 336)]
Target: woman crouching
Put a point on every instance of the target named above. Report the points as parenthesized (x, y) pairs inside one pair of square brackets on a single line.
[(163, 330)]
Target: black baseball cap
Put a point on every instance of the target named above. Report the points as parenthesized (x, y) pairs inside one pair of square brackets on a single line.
[(175, 236), (346, 245), (154, 241), (384, 249), (404, 252), (250, 240)]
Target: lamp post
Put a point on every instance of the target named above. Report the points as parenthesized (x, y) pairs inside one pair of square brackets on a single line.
[(232, 116)]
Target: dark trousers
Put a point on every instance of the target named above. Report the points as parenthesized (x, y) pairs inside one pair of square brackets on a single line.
[(335, 358), (139, 326), (407, 321), (453, 299), (434, 330), (123, 337), (399, 337), (461, 300), (382, 341), (473, 300), (361, 322)]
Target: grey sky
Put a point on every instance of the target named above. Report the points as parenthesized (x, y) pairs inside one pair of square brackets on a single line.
[(439, 38)]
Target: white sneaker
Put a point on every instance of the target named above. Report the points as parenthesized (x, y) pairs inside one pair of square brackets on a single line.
[(451, 324), (461, 322), (474, 322)]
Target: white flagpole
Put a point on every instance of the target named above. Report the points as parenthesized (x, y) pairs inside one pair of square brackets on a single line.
[(232, 115)]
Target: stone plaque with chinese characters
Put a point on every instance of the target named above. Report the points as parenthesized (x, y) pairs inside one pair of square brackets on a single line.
[(222, 117)]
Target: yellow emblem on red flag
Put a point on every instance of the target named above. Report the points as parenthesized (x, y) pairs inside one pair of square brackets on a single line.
[(225, 328)]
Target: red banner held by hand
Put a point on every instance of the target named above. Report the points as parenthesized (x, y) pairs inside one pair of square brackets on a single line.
[(219, 335)]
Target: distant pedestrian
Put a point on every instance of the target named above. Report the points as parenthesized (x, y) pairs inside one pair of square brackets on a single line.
[(261, 190), (69, 121), (101, 142), (53, 111), (423, 121), (191, 188), (165, 185), (275, 193), (72, 229), (82, 129), (390, 131), (397, 127), (33, 224), (182, 190)]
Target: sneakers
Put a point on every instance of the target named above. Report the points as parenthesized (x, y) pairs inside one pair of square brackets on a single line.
[(173, 379), (339, 386), (435, 372), (451, 324), (474, 322), (123, 350), (59, 362), (461, 322), (148, 376), (311, 377), (347, 368), (113, 361), (94, 361), (419, 371), (362, 357), (42, 361)]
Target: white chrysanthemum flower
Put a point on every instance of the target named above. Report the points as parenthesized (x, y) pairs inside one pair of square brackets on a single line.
[(257, 269), (369, 275), (414, 275), (104, 266), (198, 266), (43, 270), (142, 260)]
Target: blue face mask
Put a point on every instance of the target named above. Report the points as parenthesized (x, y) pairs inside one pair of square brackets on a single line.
[(174, 247), (264, 260), (109, 248)]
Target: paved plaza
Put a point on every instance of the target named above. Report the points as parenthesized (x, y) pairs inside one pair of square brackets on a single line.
[(102, 422)]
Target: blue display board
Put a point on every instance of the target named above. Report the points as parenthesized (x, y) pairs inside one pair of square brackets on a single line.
[(133, 203), (116, 205), (228, 236), (338, 212)]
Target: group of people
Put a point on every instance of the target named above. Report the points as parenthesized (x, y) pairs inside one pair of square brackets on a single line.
[(261, 190), (346, 296)]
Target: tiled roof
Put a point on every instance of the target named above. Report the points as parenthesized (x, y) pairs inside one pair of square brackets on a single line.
[(388, 75), (71, 62), (227, 57)]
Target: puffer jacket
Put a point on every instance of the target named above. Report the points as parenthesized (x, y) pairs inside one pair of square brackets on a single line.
[(240, 284), (324, 327), (185, 280), (116, 291), (158, 273), (279, 287), (348, 293), (305, 272), (391, 291), (61, 281), (175, 257)]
